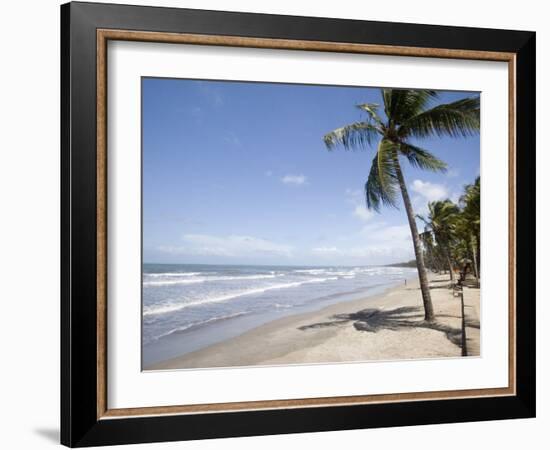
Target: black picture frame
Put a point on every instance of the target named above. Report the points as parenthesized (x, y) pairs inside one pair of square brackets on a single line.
[(80, 425)]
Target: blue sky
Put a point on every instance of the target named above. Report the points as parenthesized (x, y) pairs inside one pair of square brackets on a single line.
[(237, 173)]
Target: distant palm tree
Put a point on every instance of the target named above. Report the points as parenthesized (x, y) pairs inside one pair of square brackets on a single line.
[(471, 201), (442, 221), (430, 252), (464, 245), (408, 114)]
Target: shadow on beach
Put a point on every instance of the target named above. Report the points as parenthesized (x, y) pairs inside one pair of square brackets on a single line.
[(373, 320)]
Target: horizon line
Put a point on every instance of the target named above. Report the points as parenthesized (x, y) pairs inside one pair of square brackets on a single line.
[(276, 265)]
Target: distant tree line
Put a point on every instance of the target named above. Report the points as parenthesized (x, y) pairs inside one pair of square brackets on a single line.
[(411, 263), (451, 237)]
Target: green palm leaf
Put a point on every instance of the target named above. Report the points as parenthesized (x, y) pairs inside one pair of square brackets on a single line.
[(422, 159), (375, 194), (385, 159), (359, 134), (460, 118), (402, 104), (381, 185), (372, 110)]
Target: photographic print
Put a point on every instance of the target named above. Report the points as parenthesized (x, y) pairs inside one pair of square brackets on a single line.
[(276, 204), (304, 224)]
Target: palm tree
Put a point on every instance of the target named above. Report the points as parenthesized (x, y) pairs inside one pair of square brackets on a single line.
[(408, 114), (464, 246), (471, 201), (430, 252), (441, 220)]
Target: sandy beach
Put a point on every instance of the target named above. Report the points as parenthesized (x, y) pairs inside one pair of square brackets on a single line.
[(388, 326)]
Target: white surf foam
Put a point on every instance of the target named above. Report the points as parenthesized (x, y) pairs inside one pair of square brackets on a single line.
[(172, 307), (207, 279)]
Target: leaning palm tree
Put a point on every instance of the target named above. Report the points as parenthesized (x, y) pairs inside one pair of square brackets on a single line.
[(408, 114)]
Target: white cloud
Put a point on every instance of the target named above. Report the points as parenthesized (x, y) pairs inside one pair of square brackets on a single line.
[(420, 205), (294, 180), (396, 234), (363, 213), (356, 198), (353, 193), (228, 246), (455, 197), (326, 250), (453, 172), (430, 191), (376, 243)]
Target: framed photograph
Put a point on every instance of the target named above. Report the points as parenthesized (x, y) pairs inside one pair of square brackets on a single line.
[(276, 224)]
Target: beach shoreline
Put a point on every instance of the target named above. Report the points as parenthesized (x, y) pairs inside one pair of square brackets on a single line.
[(386, 326)]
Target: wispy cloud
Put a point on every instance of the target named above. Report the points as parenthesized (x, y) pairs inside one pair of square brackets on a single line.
[(353, 193), (326, 250), (361, 212), (294, 180), (453, 172), (382, 233), (227, 246), (376, 241), (430, 191), (455, 196)]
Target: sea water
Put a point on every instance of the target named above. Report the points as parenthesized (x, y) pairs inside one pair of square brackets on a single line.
[(187, 307)]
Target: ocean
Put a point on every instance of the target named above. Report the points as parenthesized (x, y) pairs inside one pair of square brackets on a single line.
[(188, 307)]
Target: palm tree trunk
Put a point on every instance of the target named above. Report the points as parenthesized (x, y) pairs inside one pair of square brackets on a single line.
[(450, 264), (424, 287), (478, 254), (430, 258), (446, 256), (474, 257)]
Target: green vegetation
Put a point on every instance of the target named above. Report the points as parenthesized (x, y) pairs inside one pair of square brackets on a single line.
[(407, 114), (451, 237), (411, 263)]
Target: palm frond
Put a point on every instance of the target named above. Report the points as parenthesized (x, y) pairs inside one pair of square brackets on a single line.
[(456, 119), (422, 159), (381, 186), (414, 101), (402, 104), (372, 110), (386, 164), (442, 215), (358, 134), (423, 219), (471, 202), (375, 194)]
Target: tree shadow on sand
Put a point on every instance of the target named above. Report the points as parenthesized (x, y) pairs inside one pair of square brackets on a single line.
[(446, 285), (441, 284), (373, 320)]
